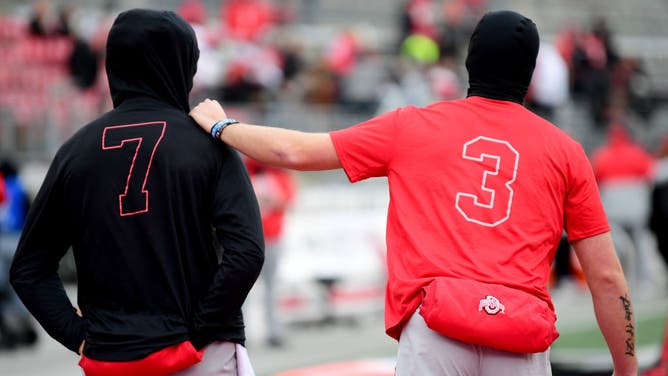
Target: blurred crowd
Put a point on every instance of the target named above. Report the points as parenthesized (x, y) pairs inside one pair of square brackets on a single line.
[(252, 54)]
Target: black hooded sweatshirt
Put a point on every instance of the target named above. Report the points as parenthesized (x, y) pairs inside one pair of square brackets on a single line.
[(148, 202)]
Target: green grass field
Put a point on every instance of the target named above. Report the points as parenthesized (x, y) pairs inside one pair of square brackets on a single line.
[(649, 331), (581, 345)]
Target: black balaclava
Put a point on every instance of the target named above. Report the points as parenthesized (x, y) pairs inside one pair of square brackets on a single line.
[(502, 56), (152, 54)]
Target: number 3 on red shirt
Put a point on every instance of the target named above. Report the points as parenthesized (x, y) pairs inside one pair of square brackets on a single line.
[(145, 138), (492, 202)]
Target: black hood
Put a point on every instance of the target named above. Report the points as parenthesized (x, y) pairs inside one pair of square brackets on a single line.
[(502, 56), (151, 54)]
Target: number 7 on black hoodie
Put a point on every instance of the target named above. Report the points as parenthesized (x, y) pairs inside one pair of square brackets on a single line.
[(162, 220)]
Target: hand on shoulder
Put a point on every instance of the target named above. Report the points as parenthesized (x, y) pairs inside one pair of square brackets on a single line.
[(207, 113)]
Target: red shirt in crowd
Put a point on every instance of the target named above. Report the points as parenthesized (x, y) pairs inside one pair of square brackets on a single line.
[(247, 19), (622, 159), (275, 191), (480, 189)]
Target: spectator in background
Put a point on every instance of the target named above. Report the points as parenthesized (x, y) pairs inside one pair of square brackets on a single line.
[(624, 172), (419, 17), (320, 85), (193, 11), (84, 64), (239, 85), (275, 191), (593, 61), (253, 75), (456, 27), (601, 30), (16, 324), (44, 23), (410, 78), (209, 76), (445, 83), (591, 82), (247, 20), (550, 83), (64, 20), (39, 23), (621, 158), (637, 87), (341, 54), (291, 55), (343, 58), (99, 30), (406, 84), (658, 222)]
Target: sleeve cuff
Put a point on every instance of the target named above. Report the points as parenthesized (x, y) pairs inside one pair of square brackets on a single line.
[(79, 334)]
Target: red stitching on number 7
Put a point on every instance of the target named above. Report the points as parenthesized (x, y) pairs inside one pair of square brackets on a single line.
[(129, 133)]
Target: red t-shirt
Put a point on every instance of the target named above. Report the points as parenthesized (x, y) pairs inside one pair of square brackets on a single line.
[(247, 20), (451, 214), (622, 159)]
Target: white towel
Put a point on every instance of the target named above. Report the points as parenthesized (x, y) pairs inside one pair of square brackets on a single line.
[(244, 366)]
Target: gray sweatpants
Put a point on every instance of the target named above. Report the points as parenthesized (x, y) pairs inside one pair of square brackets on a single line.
[(219, 360), (424, 352)]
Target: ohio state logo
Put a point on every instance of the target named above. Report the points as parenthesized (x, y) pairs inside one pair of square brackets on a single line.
[(491, 305)]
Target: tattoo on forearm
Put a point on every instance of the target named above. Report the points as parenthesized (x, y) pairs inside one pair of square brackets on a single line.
[(627, 306), (630, 340), (630, 329)]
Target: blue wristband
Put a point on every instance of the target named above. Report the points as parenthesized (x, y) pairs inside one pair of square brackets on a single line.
[(218, 128)]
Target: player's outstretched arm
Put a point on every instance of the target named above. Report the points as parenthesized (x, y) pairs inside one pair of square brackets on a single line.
[(274, 146), (611, 298)]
